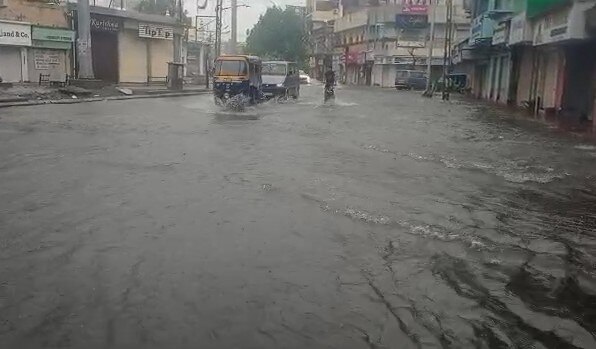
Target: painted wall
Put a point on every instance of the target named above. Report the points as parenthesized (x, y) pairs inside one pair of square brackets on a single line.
[(57, 71), (35, 13), (132, 58)]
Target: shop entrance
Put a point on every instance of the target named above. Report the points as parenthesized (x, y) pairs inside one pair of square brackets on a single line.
[(105, 55), (10, 69)]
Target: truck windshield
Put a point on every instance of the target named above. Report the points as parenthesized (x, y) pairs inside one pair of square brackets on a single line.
[(274, 69), (233, 68)]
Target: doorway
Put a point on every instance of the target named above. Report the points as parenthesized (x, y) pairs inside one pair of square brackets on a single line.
[(105, 56)]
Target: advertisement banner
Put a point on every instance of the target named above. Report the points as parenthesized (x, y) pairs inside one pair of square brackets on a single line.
[(415, 6), (15, 34)]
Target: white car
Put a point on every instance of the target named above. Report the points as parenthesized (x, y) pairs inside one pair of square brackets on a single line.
[(304, 78)]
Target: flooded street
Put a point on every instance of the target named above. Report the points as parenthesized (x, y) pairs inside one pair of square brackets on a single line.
[(384, 221)]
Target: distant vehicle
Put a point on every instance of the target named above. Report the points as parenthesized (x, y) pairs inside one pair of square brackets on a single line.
[(281, 79), (410, 80), (237, 76), (304, 78)]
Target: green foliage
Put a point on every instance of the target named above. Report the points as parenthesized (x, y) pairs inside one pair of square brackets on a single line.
[(156, 7), (279, 34)]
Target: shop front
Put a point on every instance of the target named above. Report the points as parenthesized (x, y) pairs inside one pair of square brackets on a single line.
[(500, 64), (104, 46), (132, 47), (522, 58), (50, 54), (15, 38), (563, 54)]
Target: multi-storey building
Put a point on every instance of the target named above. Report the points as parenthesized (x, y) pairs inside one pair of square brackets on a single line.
[(378, 40), (320, 16), (536, 53)]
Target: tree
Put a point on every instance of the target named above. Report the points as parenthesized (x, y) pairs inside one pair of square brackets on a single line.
[(279, 34), (156, 7)]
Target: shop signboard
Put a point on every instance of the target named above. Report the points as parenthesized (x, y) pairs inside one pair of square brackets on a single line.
[(565, 24), (101, 23), (408, 21), (415, 6), (52, 37), (519, 30), (52, 34), (481, 30), (403, 60), (501, 34), (15, 34), (410, 43), (156, 31)]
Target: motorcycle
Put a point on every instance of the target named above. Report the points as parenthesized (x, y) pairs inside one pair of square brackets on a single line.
[(329, 93)]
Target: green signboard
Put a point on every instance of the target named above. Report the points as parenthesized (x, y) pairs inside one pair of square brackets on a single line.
[(539, 7), (52, 34), (55, 38)]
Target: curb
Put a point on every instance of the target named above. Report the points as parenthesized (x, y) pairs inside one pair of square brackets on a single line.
[(99, 99)]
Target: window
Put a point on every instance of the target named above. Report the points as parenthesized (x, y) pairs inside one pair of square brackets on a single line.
[(274, 69), (416, 74), (233, 68), (401, 74)]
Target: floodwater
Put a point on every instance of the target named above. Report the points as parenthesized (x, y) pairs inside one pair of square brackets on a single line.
[(383, 220)]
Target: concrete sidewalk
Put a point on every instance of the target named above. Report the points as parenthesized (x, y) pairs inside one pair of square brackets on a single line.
[(32, 94)]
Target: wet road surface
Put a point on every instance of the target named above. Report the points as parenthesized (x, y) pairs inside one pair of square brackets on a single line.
[(384, 221)]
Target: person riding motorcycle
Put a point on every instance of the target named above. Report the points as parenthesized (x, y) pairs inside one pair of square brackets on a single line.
[(329, 84), (329, 78)]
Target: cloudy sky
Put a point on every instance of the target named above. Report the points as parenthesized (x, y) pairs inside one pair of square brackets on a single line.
[(247, 16)]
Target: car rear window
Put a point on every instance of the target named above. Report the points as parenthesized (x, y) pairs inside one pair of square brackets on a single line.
[(417, 74), (401, 74)]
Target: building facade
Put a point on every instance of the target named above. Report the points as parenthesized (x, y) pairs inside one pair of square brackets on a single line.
[(320, 16), (534, 53), (131, 47), (35, 41), (380, 39)]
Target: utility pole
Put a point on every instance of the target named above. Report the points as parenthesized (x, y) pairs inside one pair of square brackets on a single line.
[(218, 20), (234, 35), (85, 58), (447, 48), (177, 37), (431, 42)]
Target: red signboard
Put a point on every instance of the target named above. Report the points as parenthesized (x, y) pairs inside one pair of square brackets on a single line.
[(415, 6)]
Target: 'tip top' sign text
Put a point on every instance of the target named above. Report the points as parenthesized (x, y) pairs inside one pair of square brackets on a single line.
[(156, 31)]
